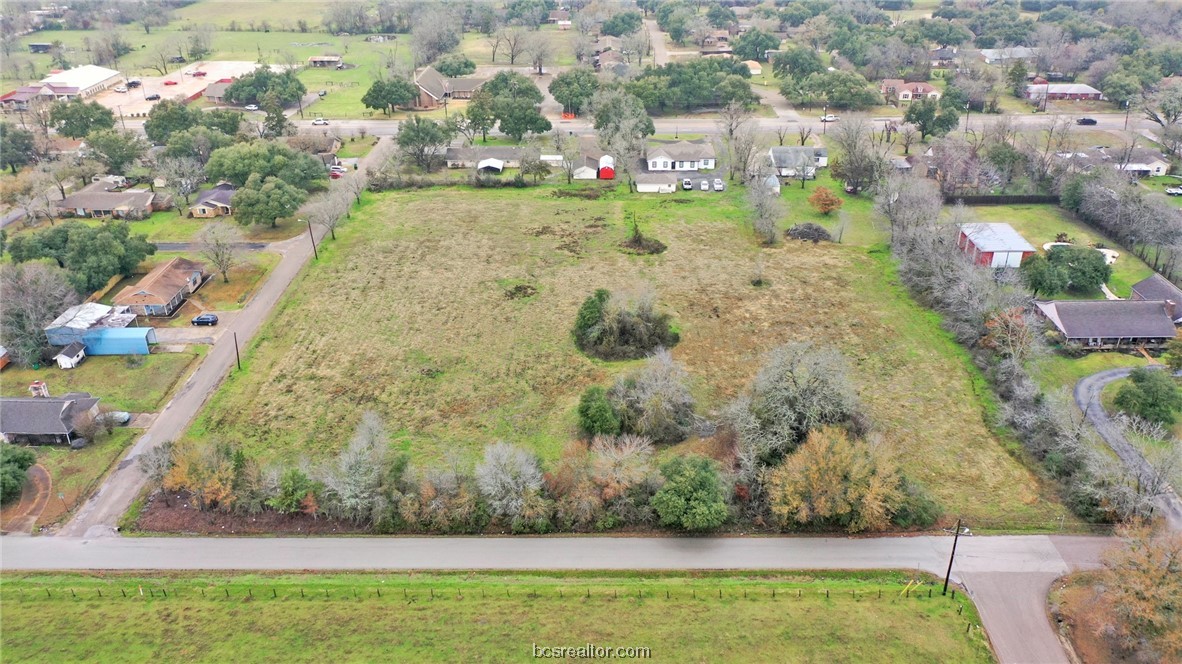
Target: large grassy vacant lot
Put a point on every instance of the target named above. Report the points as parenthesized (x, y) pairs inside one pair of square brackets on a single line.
[(485, 618), (408, 314)]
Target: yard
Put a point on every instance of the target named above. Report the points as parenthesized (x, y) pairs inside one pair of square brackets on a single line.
[(134, 383), (408, 313), (486, 617), (1057, 372)]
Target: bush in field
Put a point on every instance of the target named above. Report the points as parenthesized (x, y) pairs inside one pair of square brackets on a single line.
[(612, 326), (596, 415), (507, 477), (832, 480), (825, 201), (354, 481), (14, 461), (578, 499), (692, 497), (654, 401)]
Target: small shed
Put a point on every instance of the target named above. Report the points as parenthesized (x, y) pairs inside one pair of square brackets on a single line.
[(607, 168), (656, 183), (490, 164), (120, 340), (71, 356), (754, 67)]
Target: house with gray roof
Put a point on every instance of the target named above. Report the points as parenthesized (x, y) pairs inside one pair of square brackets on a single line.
[(104, 199), (1158, 288), (681, 156), (435, 88), (213, 202), (792, 161), (44, 420), (1109, 324)]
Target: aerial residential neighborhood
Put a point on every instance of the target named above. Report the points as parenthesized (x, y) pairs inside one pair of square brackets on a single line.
[(497, 330)]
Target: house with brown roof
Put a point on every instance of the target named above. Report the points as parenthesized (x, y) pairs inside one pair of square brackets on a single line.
[(896, 89), (216, 92), (1108, 324), (163, 290), (435, 88), (105, 199)]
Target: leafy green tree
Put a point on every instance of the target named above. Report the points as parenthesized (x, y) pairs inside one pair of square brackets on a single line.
[(837, 89), (514, 86), (1043, 278), (385, 95), (613, 104), (275, 122), (454, 65), (622, 23), (596, 415), (77, 118), (481, 114), (224, 120), (1173, 356), (422, 140), (943, 32), (518, 117), (1016, 78), (1086, 269), (574, 88), (930, 118), (254, 87), (14, 462), (754, 45), (1150, 395), (236, 163), (196, 143), (91, 255), (268, 200), (692, 497), (16, 147), (720, 16), (168, 117), (1120, 88), (294, 487), (797, 62), (116, 149)]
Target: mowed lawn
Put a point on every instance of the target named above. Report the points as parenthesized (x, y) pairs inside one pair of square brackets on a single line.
[(407, 314), (486, 618), (135, 383)]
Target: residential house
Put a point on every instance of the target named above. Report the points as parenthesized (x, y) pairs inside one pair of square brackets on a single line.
[(40, 47), (943, 58), (214, 202), (1001, 56), (994, 245), (323, 146), (435, 88), (1107, 324), (896, 89), (681, 156), (325, 61), (71, 356), (45, 420), (791, 161), (557, 16), (20, 98), (1062, 91), (163, 290), (98, 200), (1159, 289), (215, 92), (656, 183), (1144, 163), (471, 157), (1139, 162)]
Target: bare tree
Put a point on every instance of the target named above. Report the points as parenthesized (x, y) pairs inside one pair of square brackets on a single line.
[(572, 157), (182, 175), (155, 464), (636, 45), (863, 162), (33, 294), (328, 212), (506, 476), (221, 245), (353, 481), (737, 127), (908, 135), (1041, 147), (907, 201), (655, 400), (803, 133), (781, 134), (515, 41), (540, 50), (767, 208), (355, 184), (162, 53)]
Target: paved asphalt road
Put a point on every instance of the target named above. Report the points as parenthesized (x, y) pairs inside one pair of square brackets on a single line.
[(1087, 399), (1008, 577)]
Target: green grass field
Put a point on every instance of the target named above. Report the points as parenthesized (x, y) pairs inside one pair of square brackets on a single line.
[(485, 617), (407, 314), (1057, 372), (122, 382)]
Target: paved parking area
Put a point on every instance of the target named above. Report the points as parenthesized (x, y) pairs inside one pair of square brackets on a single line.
[(134, 102), (698, 178)]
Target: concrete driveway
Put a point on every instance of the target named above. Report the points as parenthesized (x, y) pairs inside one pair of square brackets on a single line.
[(198, 334)]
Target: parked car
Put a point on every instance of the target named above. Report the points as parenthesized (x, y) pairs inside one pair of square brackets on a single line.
[(320, 121), (206, 319), (170, 82), (177, 59), (1174, 191), (705, 185), (152, 97), (718, 185), (1086, 121), (251, 107), (335, 175), (133, 83), (322, 93), (117, 417), (337, 169), (199, 74), (829, 118), (120, 88), (687, 183)]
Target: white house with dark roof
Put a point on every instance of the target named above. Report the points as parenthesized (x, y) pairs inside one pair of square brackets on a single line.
[(791, 161), (681, 156), (1105, 324), (44, 420)]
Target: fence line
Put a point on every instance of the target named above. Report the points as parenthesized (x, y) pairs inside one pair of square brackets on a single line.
[(1002, 199)]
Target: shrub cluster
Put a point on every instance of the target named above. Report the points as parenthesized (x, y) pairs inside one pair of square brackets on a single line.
[(14, 461), (653, 401), (614, 326)]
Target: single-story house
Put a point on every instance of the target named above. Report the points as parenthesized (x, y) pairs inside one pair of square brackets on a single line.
[(86, 79), (435, 88), (681, 156), (322, 146), (80, 320), (1145, 163), (1103, 324), (998, 56), (754, 67), (896, 89), (70, 356), (1068, 91), (471, 157), (216, 92), (1158, 288), (98, 200), (901, 164), (558, 15), (44, 420), (163, 290), (942, 58), (994, 245), (213, 202), (656, 183), (325, 60), (40, 47), (19, 99), (788, 161), (1139, 162)]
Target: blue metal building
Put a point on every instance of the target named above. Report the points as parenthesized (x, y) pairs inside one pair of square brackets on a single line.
[(119, 340)]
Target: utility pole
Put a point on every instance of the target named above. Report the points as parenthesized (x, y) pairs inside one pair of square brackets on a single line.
[(236, 355), (312, 238), (968, 113), (1127, 115), (952, 557)]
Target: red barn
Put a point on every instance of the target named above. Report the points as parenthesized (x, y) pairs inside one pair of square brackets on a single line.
[(994, 245)]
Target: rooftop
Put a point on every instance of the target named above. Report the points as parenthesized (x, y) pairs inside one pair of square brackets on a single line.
[(43, 415), (92, 314), (80, 77), (219, 195), (1108, 319), (996, 237), (683, 151), (161, 284)]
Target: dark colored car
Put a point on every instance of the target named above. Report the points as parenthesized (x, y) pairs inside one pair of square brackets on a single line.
[(177, 59), (133, 83), (152, 97), (199, 74), (206, 319), (1086, 121)]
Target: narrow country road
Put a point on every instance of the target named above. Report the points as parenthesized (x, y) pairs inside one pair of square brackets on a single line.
[(99, 515), (657, 38), (1087, 399), (1007, 577)]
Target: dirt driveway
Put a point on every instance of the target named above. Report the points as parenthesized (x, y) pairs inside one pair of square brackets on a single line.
[(20, 518)]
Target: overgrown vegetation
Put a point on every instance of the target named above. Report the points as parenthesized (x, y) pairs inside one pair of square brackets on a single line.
[(622, 326)]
